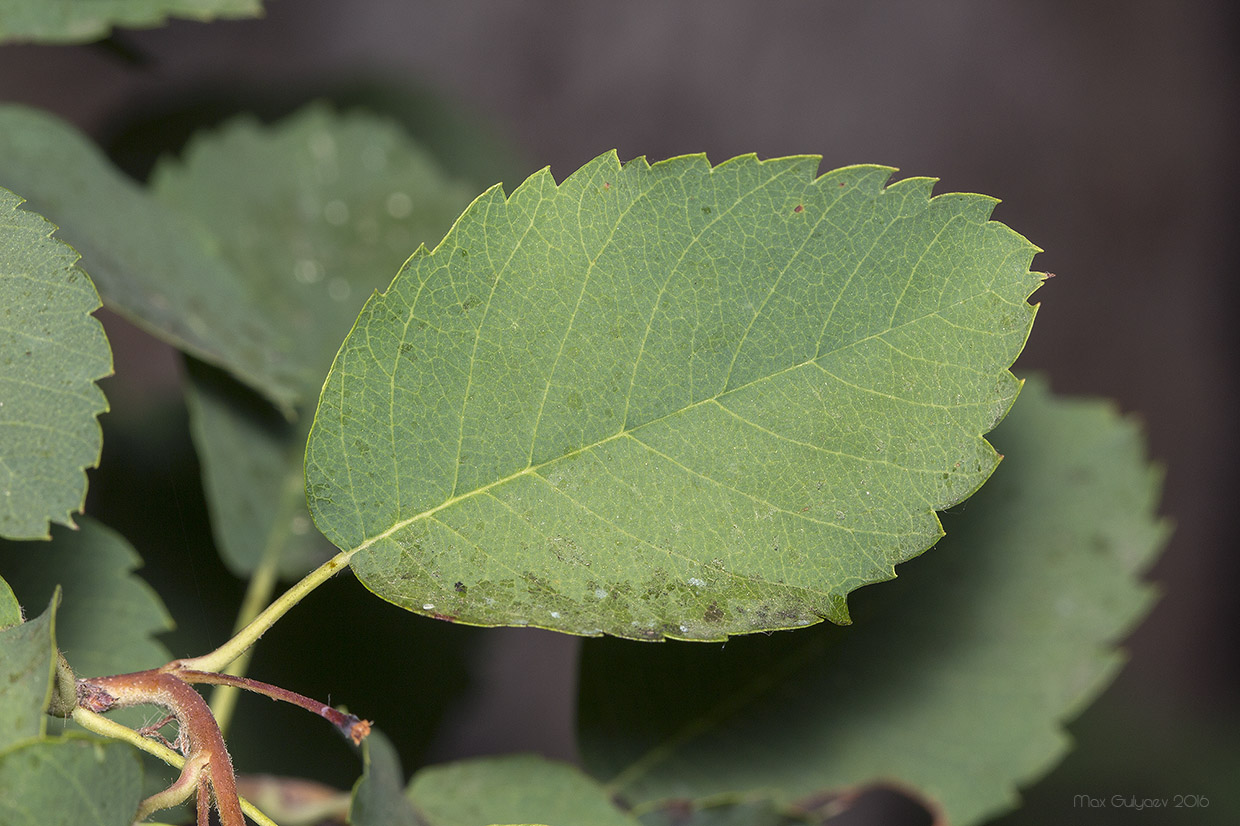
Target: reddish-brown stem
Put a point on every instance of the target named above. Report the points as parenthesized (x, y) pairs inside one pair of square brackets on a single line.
[(350, 725), (208, 766), (197, 725)]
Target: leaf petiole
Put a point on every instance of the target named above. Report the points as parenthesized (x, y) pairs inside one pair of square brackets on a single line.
[(220, 658)]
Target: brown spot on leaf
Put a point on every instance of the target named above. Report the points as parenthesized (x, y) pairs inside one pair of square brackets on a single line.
[(713, 613), (799, 208)]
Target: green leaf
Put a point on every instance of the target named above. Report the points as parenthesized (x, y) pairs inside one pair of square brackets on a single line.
[(954, 680), (379, 796), (52, 351), (10, 609), (77, 21), (109, 616), (315, 213), (760, 812), (27, 661), (673, 400), (69, 781), (512, 789), (152, 265)]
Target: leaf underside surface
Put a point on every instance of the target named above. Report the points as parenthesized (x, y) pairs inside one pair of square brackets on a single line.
[(511, 789), (671, 400), (151, 264), (52, 351), (10, 608), (77, 21), (108, 616), (27, 658), (954, 681), (70, 780), (315, 213)]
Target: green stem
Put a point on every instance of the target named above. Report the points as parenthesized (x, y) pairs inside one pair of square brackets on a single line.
[(220, 658), (262, 584), (101, 725)]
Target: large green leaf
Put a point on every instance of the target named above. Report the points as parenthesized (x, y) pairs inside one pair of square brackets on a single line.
[(671, 400), (52, 351), (108, 618), (152, 265), (955, 678), (27, 661), (315, 213), (514, 789), (69, 781), (75, 21)]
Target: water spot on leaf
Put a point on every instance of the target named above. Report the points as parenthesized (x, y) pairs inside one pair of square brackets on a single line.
[(399, 205), (307, 271), (339, 289)]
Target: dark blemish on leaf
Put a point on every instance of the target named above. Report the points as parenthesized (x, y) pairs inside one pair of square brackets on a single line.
[(799, 208), (606, 184), (444, 617), (463, 253), (706, 210), (459, 587), (713, 613), (842, 184)]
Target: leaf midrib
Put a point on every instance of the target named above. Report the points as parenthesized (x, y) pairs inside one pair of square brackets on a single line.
[(628, 431)]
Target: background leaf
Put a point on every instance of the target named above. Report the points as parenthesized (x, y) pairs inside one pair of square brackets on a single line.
[(75, 21), (954, 679), (109, 616), (315, 213), (52, 351), (379, 796), (69, 781), (671, 400), (512, 789), (27, 660), (151, 265)]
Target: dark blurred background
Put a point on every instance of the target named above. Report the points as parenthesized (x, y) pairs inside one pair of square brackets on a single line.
[(1108, 129)]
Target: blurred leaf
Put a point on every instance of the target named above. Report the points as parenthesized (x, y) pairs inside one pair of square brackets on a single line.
[(52, 351), (513, 789), (955, 678), (108, 616), (760, 812), (27, 662), (671, 400), (153, 266), (251, 459), (379, 796), (77, 21), (1176, 750), (69, 781), (315, 213)]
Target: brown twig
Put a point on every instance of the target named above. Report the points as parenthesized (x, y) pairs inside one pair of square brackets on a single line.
[(208, 766)]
